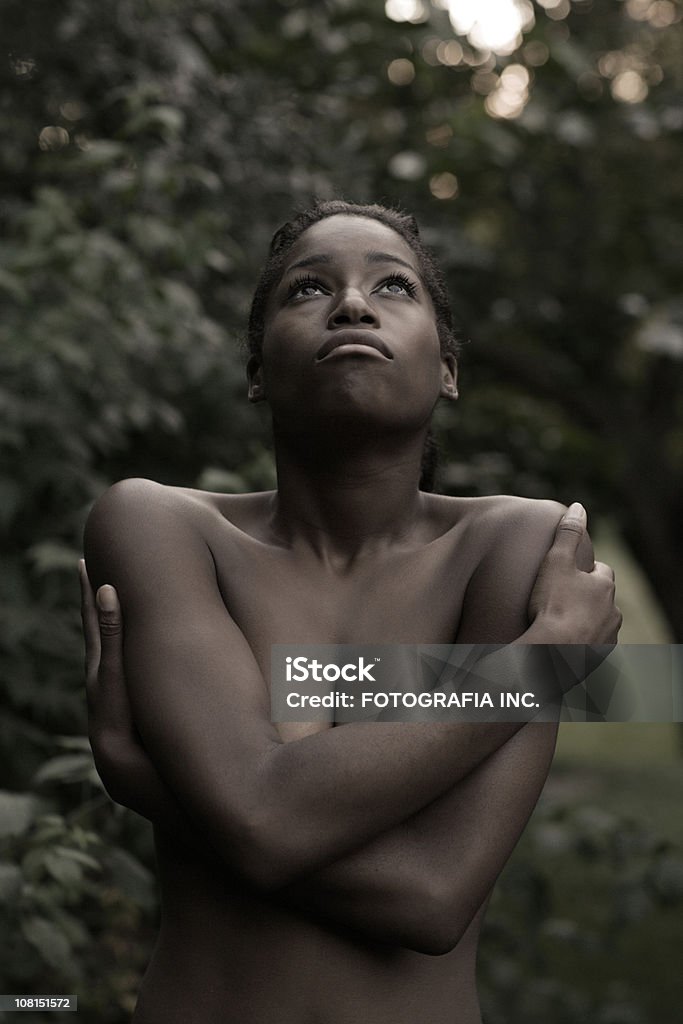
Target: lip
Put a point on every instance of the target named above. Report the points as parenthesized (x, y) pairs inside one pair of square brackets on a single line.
[(354, 339)]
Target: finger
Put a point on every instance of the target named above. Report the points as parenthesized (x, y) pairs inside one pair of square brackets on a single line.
[(91, 626), (602, 569), (110, 628), (620, 621), (109, 616), (113, 706), (570, 530)]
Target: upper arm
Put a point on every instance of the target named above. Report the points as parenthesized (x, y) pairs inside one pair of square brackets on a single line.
[(520, 534), (198, 697)]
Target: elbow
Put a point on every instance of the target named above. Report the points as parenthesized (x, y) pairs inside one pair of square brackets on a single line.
[(262, 869), (111, 768), (435, 938), (435, 941), (439, 919), (264, 853)]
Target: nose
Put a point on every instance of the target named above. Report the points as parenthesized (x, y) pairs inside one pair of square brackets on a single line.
[(353, 308)]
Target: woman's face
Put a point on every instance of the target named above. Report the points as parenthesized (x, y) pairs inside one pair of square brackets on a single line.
[(350, 332)]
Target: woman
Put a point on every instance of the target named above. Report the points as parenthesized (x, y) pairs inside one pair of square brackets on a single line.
[(316, 874)]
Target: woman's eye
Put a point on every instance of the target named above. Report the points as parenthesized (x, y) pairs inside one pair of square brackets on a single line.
[(304, 288), (398, 285)]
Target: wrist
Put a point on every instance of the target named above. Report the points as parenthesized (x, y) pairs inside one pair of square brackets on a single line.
[(547, 629)]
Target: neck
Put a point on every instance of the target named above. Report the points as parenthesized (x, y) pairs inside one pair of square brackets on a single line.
[(346, 499)]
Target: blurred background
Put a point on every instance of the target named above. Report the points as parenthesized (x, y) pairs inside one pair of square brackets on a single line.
[(149, 149)]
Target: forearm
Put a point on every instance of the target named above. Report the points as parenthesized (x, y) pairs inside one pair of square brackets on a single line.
[(343, 788), (417, 885), (284, 811), (131, 780), (370, 891), (421, 884), (401, 889)]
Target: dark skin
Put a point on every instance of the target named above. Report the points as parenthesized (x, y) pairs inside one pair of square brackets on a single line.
[(311, 873)]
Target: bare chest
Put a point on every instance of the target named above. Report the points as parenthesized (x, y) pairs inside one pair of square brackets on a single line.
[(406, 596)]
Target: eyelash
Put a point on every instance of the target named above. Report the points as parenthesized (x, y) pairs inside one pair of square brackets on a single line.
[(405, 282), (302, 282), (307, 280)]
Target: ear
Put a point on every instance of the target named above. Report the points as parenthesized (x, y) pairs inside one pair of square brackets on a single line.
[(449, 377), (257, 390)]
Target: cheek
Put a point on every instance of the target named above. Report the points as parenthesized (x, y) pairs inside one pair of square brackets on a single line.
[(426, 368), (279, 349), (427, 350)]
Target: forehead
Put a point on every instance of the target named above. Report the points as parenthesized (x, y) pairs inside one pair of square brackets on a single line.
[(351, 236)]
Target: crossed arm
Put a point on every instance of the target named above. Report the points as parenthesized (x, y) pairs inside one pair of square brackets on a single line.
[(418, 885), (338, 825)]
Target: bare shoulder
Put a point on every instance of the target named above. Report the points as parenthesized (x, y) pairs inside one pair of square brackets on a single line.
[(130, 512), (513, 520), (152, 502), (497, 521), (139, 496), (154, 533), (141, 531)]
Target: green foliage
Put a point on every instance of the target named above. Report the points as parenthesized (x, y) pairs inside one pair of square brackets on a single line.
[(148, 150), (587, 891), (76, 911)]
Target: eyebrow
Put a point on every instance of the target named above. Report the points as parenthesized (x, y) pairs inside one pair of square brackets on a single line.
[(370, 257), (387, 257), (309, 261)]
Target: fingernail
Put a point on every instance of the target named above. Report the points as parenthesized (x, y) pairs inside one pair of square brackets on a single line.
[(106, 598), (576, 511)]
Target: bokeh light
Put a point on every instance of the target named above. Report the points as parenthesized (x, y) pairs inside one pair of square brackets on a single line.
[(629, 87), (450, 53), (632, 73), (444, 185), (536, 53), (401, 71), (556, 9), (414, 11), (407, 165), (496, 25), (440, 135), (511, 94), (660, 13), (53, 136)]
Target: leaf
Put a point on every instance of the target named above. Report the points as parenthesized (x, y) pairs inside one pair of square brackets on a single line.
[(99, 153), (17, 811), (50, 555), (64, 871), (667, 876), (163, 118), (81, 858), (49, 940), (10, 882), (134, 880), (66, 768), (13, 285), (215, 479), (74, 743)]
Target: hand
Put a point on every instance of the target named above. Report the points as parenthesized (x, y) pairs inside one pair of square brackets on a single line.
[(576, 606), (121, 760)]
